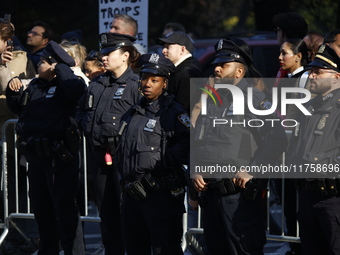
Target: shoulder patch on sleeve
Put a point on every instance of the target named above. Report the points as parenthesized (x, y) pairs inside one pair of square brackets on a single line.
[(185, 120), (266, 104)]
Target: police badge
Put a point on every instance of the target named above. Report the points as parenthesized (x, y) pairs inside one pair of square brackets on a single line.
[(220, 45), (154, 58), (119, 93), (150, 125), (51, 91), (321, 124), (103, 39)]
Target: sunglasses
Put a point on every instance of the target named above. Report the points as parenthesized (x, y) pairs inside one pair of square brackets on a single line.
[(34, 33)]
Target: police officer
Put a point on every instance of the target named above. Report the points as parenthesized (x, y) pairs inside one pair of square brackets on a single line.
[(45, 108), (315, 144), (154, 145), (232, 219), (108, 97)]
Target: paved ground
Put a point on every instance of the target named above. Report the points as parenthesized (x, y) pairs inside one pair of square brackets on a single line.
[(93, 238)]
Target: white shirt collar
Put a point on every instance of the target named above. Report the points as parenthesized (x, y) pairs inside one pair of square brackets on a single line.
[(182, 59), (295, 72)]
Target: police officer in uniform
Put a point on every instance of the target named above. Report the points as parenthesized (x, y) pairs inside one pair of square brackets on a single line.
[(232, 215), (154, 146), (316, 144), (45, 109), (108, 97)]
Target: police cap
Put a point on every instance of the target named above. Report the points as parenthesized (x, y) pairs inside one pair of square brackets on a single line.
[(326, 58), (113, 41), (177, 37), (156, 64), (228, 51), (54, 53)]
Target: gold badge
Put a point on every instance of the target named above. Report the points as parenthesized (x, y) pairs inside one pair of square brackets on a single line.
[(322, 122)]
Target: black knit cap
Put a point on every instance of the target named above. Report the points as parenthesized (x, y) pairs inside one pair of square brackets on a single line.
[(326, 58), (54, 53), (156, 64), (228, 51), (112, 41)]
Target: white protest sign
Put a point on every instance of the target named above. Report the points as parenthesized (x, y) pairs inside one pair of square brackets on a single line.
[(137, 9)]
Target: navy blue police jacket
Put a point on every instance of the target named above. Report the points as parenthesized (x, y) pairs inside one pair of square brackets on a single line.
[(106, 100), (249, 141), (316, 139), (140, 149), (45, 108)]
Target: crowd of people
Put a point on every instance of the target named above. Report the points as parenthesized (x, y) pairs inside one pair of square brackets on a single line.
[(146, 123)]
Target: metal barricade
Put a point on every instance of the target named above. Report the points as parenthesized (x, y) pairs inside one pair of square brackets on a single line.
[(189, 240), (9, 217), (195, 248)]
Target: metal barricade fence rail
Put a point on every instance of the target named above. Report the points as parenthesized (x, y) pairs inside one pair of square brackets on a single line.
[(27, 214), (189, 234)]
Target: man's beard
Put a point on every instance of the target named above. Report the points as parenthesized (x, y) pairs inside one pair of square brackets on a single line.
[(319, 88), (225, 80)]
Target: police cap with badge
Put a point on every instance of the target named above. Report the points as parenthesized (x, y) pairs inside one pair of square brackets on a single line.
[(54, 53), (157, 65), (228, 51), (112, 41), (326, 58)]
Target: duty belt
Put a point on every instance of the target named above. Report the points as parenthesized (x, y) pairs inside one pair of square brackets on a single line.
[(140, 190), (226, 186), (46, 148)]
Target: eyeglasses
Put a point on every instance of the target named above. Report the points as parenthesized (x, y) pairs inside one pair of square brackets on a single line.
[(34, 33)]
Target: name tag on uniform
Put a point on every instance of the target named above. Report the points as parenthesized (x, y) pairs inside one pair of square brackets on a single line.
[(51, 91), (150, 125), (119, 93)]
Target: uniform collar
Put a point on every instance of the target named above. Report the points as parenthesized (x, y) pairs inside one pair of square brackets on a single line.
[(298, 70), (153, 106), (323, 102), (243, 85), (41, 83), (123, 78)]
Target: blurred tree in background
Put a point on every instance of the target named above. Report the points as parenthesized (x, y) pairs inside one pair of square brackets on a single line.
[(204, 17)]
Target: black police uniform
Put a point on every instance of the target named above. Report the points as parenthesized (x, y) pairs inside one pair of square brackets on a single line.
[(100, 110), (316, 141), (232, 218), (45, 109), (153, 147)]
